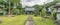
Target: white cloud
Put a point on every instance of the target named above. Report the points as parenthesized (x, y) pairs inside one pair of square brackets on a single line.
[(39, 2)]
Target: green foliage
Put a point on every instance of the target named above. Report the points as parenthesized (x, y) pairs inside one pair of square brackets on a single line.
[(16, 20), (38, 9), (39, 21), (14, 1), (43, 12), (54, 14), (15, 11), (52, 3)]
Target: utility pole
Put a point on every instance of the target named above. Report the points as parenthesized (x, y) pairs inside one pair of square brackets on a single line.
[(9, 11)]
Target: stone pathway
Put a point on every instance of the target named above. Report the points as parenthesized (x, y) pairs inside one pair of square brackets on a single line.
[(30, 21), (57, 22)]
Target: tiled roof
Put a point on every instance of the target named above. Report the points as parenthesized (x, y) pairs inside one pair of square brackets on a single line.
[(29, 9)]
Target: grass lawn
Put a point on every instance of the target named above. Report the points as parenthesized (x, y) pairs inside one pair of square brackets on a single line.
[(17, 20), (42, 21)]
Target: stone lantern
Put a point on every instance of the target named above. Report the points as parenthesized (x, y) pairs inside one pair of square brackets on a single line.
[(57, 8), (2, 10)]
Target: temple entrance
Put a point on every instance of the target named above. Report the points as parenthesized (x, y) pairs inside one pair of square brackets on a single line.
[(28, 12)]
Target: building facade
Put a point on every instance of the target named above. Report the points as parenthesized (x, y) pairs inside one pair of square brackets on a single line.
[(29, 10), (28, 4)]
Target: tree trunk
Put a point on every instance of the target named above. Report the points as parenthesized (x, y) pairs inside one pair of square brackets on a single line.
[(9, 12)]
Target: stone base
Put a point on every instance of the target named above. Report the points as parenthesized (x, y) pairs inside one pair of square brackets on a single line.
[(57, 22)]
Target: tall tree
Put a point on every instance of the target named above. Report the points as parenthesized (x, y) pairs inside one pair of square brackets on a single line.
[(38, 9), (51, 3)]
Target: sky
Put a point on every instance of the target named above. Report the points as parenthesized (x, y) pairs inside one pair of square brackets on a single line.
[(33, 2)]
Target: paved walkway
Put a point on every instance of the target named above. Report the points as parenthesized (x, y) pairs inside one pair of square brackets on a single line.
[(29, 21), (57, 22)]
